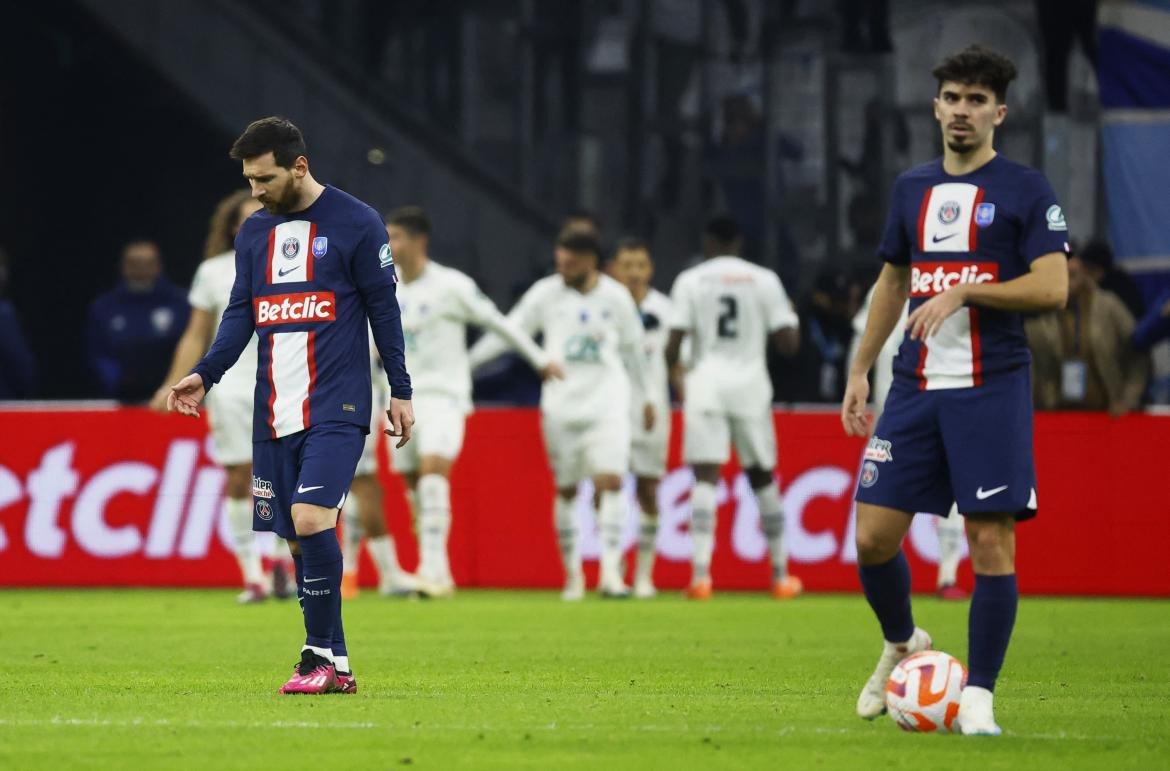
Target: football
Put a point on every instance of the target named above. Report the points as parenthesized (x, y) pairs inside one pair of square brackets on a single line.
[(923, 692)]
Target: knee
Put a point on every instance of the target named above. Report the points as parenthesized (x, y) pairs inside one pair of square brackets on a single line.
[(875, 548), (992, 543), (707, 472), (759, 477), (648, 497), (607, 483), (238, 482)]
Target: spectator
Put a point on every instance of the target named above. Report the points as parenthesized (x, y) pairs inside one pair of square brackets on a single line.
[(817, 372), (1098, 259), (133, 329), (1081, 355), (1154, 326), (17, 369)]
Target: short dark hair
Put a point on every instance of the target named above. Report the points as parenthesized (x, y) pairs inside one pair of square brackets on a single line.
[(412, 219), (581, 215), (977, 66), (1097, 252), (274, 134), (631, 244), (580, 241), (723, 230)]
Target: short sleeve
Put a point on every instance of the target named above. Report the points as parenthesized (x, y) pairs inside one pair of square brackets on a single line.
[(780, 313), (1043, 229), (680, 306), (202, 294), (895, 244)]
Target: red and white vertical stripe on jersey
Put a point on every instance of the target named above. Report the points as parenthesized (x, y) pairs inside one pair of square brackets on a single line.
[(290, 252), (946, 220), (292, 375), (952, 357)]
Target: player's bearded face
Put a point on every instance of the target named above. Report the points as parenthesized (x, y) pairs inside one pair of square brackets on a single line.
[(280, 195), (574, 267), (967, 114)]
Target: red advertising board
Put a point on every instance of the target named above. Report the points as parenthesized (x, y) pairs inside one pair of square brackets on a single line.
[(123, 497)]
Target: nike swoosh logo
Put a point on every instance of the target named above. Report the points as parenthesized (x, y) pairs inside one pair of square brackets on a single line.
[(303, 489), (982, 494), (311, 580), (282, 272), (935, 239)]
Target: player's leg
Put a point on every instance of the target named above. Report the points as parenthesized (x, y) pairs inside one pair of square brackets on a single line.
[(706, 447), (366, 492), (563, 444), (646, 493), (440, 439), (611, 511), (950, 552), (353, 531), (238, 507)]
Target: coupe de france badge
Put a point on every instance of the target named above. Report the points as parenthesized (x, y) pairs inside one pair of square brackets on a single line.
[(984, 214), (320, 246), (385, 259)]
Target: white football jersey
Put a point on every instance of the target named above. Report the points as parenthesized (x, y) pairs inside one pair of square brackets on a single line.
[(210, 290), (729, 307), (883, 365), (437, 306), (596, 335), (656, 314)]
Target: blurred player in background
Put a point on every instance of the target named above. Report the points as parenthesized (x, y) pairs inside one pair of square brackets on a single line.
[(229, 409), (313, 273), (950, 527), (633, 267), (438, 304), (590, 321), (731, 309), (973, 239)]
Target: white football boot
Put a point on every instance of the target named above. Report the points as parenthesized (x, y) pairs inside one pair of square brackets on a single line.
[(976, 717), (574, 590), (872, 700), (400, 584), (644, 589)]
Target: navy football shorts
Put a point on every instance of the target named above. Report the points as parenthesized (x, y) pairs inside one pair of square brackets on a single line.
[(970, 446), (312, 466)]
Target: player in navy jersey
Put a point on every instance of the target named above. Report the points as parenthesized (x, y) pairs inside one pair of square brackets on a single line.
[(310, 270), (973, 239)]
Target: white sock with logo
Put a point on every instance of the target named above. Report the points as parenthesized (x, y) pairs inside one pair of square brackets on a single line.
[(702, 530), (609, 523), (239, 516), (772, 523), (647, 536), (950, 546), (565, 521), (385, 557), (351, 535), (434, 525)]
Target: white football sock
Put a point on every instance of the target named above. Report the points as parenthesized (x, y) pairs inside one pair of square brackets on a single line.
[(434, 525), (341, 664), (772, 522), (322, 652), (351, 537), (647, 536), (385, 557), (950, 546), (565, 521), (239, 515), (609, 522), (702, 530)]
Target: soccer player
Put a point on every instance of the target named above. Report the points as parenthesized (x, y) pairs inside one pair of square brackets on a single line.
[(591, 323), (230, 408), (633, 267), (438, 304), (731, 309), (950, 527), (973, 239), (312, 271)]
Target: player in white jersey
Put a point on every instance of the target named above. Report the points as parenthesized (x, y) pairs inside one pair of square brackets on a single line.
[(633, 267), (731, 309), (230, 406), (438, 303), (950, 528), (591, 323)]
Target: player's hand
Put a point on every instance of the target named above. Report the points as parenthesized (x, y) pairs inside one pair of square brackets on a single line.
[(552, 371), (401, 414), (158, 402), (186, 395), (853, 413), (648, 416), (928, 318)]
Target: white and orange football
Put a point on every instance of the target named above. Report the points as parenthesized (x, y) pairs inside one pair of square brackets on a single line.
[(923, 692)]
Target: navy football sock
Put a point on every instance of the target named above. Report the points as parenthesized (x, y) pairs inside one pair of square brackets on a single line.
[(338, 644), (887, 588), (299, 571), (989, 627), (321, 586)]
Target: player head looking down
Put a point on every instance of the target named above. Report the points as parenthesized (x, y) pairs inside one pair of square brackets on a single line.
[(721, 236), (972, 98), (577, 255), (273, 153)]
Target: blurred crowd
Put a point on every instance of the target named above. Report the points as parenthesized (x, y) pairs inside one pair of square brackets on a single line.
[(1091, 355)]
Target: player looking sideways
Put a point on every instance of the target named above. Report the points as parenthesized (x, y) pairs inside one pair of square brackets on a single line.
[(312, 271), (973, 239), (732, 310)]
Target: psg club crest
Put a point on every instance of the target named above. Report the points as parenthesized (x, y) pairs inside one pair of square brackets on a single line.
[(290, 248), (948, 212), (984, 214), (320, 246), (263, 510), (869, 474)]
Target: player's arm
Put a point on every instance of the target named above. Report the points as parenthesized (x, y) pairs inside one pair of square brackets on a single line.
[(885, 308), (484, 313), (524, 317), (191, 346), (783, 323), (681, 322), (630, 346)]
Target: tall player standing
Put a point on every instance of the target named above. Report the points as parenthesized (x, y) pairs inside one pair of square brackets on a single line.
[(230, 408), (590, 321), (731, 309), (973, 239), (633, 267), (312, 271)]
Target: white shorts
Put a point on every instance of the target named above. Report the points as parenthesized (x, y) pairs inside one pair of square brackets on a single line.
[(708, 437), (438, 430), (230, 417), (578, 450), (648, 449)]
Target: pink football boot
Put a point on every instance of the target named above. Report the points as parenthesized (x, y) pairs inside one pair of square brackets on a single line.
[(314, 674)]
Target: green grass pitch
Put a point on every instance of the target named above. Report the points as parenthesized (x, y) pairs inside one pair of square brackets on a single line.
[(169, 679)]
